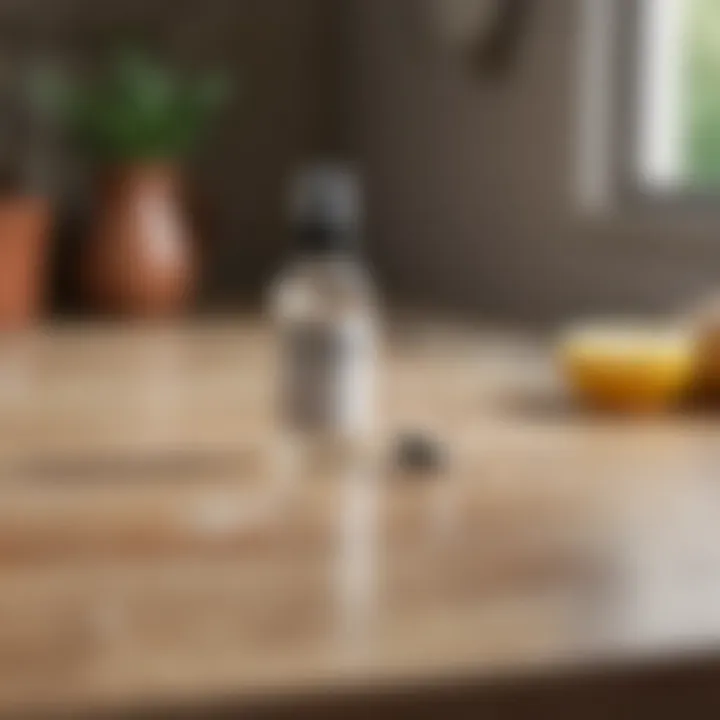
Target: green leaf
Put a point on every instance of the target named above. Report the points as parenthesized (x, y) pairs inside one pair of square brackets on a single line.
[(136, 107)]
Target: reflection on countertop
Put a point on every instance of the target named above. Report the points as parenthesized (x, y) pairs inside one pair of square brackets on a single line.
[(150, 551)]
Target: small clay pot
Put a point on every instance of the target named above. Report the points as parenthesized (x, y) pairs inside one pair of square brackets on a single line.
[(24, 230), (140, 260)]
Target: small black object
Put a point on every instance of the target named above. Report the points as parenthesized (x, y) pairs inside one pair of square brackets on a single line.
[(417, 452)]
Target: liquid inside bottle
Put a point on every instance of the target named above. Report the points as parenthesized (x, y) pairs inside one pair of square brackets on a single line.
[(325, 319)]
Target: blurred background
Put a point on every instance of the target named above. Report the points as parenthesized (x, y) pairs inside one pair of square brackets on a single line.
[(531, 183), (283, 65)]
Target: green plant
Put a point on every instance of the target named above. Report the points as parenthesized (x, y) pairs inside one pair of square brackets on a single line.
[(133, 107)]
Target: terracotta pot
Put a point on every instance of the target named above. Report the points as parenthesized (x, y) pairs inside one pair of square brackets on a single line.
[(24, 225), (140, 260)]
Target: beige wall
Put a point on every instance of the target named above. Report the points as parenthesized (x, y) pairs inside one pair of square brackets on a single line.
[(471, 182)]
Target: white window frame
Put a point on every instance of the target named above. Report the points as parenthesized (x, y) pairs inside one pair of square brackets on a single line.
[(628, 140)]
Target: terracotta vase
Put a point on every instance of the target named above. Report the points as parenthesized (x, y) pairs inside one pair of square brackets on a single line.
[(140, 259), (24, 226)]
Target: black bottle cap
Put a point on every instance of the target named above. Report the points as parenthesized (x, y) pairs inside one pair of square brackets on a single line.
[(326, 209)]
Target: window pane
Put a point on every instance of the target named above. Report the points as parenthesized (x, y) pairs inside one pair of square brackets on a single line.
[(701, 92), (679, 128)]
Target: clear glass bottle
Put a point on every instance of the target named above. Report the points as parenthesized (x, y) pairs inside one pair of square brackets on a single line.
[(325, 317)]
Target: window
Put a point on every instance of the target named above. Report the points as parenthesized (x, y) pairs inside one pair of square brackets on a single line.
[(679, 94), (650, 99)]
